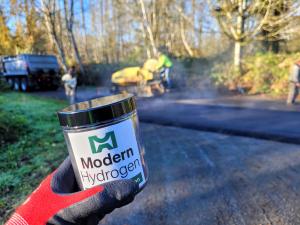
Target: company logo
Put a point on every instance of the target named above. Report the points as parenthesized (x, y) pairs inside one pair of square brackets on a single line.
[(98, 144)]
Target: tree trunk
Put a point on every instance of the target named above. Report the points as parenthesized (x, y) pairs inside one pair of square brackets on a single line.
[(84, 29), (61, 53), (69, 23), (182, 34), (183, 38), (50, 25), (148, 52), (77, 55), (237, 56), (148, 28), (194, 22), (238, 51), (271, 46)]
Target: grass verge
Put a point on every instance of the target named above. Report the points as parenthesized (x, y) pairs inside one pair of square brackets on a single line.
[(29, 155)]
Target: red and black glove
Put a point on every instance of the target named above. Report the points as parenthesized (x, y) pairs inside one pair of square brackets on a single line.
[(58, 200)]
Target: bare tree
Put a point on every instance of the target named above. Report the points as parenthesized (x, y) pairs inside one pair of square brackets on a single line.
[(280, 25), (232, 17), (69, 19), (84, 28), (148, 27), (111, 33), (49, 12), (243, 21), (182, 30)]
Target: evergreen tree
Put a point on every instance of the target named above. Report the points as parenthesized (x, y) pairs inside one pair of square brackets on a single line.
[(5, 36)]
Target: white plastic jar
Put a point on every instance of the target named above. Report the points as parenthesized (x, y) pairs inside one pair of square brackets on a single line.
[(103, 140)]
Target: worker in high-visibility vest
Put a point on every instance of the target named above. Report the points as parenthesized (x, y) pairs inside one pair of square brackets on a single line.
[(164, 65), (294, 83)]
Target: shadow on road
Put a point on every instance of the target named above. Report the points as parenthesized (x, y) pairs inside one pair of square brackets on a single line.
[(205, 178)]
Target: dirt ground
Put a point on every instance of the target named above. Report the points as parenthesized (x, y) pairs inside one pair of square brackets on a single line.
[(205, 178)]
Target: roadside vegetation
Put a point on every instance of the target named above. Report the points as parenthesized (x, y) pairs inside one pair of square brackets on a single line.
[(100, 37), (263, 73), (32, 146)]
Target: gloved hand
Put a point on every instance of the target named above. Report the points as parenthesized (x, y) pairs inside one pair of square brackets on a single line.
[(58, 200)]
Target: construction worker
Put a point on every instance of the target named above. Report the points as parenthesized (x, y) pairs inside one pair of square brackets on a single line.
[(58, 200), (294, 83), (164, 65), (70, 84)]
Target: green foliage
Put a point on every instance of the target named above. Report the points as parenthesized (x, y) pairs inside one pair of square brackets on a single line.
[(5, 36), (224, 75), (263, 73), (27, 36), (3, 86), (11, 131), (37, 152)]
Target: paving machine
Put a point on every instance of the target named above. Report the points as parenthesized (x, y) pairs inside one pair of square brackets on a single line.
[(142, 81)]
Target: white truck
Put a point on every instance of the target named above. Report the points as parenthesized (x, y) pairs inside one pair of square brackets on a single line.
[(28, 71)]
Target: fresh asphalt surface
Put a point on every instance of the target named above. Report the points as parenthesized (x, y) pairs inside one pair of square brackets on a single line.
[(206, 178), (273, 124), (239, 115)]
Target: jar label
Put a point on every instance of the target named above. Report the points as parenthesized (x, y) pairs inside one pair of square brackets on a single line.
[(107, 154)]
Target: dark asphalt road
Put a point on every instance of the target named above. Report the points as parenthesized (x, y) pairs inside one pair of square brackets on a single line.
[(212, 179), (248, 116), (272, 124)]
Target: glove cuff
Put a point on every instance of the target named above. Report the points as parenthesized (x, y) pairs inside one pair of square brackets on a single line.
[(16, 219), (43, 204)]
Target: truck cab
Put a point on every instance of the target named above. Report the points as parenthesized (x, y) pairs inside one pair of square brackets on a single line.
[(29, 71)]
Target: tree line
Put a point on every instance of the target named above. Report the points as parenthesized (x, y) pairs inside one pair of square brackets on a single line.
[(108, 31)]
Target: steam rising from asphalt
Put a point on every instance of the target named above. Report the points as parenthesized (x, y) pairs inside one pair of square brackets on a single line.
[(190, 82), (193, 86)]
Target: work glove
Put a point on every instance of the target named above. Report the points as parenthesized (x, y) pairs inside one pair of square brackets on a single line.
[(59, 201)]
